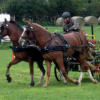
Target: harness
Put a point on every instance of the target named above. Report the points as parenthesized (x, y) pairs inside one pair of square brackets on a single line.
[(61, 47), (22, 48)]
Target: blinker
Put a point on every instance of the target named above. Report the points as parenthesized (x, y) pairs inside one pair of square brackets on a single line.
[(31, 27)]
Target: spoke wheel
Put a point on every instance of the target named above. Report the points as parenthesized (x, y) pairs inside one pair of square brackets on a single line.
[(57, 73)]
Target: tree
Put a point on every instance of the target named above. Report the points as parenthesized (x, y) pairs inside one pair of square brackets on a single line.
[(2, 5), (93, 8), (16, 8), (40, 10)]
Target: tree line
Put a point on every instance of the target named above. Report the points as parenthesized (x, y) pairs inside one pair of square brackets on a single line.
[(48, 11)]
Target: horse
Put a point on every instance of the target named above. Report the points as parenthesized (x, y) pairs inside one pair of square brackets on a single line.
[(14, 31), (56, 48)]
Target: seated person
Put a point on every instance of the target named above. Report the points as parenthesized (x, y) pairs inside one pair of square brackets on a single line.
[(69, 24)]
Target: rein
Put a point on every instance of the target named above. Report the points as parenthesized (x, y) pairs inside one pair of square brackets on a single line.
[(83, 45), (62, 47), (52, 36)]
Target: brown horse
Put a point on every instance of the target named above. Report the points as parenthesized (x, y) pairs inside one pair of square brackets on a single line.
[(14, 31), (76, 46)]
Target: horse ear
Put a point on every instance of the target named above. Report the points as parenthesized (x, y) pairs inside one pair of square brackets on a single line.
[(5, 21), (28, 23)]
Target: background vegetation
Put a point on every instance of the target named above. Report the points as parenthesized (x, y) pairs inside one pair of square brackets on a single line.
[(43, 11)]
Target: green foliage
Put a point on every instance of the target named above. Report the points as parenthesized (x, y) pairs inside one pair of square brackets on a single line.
[(16, 8), (94, 8), (87, 7), (21, 23), (49, 10), (44, 23)]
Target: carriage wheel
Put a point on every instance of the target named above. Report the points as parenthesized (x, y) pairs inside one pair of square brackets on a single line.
[(57, 73)]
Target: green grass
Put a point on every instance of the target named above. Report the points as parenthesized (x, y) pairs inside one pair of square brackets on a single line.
[(19, 88)]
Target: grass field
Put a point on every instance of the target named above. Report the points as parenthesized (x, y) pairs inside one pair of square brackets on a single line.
[(19, 88)]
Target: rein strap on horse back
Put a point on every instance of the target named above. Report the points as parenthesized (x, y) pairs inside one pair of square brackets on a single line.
[(48, 49), (61, 47), (23, 48)]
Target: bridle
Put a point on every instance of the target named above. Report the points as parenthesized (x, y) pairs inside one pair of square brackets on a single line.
[(29, 29), (3, 28)]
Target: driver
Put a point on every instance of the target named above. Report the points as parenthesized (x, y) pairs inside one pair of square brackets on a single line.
[(69, 23)]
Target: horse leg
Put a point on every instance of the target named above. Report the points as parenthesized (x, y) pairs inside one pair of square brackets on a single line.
[(62, 68), (31, 72), (63, 78), (89, 72), (91, 77), (84, 64), (81, 59), (48, 65), (40, 65), (14, 61), (80, 78)]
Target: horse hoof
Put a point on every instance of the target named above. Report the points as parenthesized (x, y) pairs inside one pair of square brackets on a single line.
[(76, 82), (9, 78), (79, 84), (44, 86), (38, 83), (65, 82), (32, 84), (95, 82)]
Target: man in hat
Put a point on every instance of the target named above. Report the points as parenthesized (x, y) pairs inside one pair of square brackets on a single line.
[(69, 24)]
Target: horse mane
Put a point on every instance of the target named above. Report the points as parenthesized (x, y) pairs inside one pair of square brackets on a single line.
[(40, 26), (16, 24)]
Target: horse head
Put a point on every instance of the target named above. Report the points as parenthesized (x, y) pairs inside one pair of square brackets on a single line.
[(4, 28), (35, 32), (27, 35)]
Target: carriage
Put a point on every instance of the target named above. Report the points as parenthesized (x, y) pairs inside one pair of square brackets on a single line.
[(73, 64)]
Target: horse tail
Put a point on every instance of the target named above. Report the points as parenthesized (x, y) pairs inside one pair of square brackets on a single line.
[(88, 54), (92, 67)]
